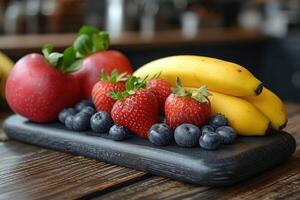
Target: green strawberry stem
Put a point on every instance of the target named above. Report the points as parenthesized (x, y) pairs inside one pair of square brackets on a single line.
[(114, 77), (90, 40), (65, 62), (199, 94), (133, 83)]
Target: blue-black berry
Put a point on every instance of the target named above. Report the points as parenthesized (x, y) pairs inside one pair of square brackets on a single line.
[(160, 134), (207, 128), (210, 140), (89, 110), (81, 122), (227, 134), (187, 135), (218, 120), (101, 122), (79, 106), (118, 132), (65, 113), (69, 122)]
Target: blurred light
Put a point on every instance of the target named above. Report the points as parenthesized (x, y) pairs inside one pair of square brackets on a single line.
[(114, 18), (189, 24)]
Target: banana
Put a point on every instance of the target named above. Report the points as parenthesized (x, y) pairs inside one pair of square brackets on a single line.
[(244, 117), (221, 76), (272, 106), (5, 66)]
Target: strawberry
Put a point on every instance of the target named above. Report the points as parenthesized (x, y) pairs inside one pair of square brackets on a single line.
[(183, 106), (107, 84), (161, 89), (136, 108)]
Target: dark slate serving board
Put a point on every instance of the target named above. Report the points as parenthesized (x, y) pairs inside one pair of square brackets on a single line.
[(226, 166)]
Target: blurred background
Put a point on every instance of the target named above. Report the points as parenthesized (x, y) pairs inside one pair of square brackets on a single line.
[(261, 35)]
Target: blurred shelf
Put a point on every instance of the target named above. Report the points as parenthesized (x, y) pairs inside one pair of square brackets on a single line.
[(133, 40)]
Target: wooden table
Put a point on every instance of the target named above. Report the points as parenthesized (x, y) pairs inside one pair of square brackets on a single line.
[(30, 172)]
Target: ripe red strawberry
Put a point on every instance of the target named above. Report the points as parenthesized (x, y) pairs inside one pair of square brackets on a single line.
[(183, 106), (135, 109), (107, 84), (161, 89)]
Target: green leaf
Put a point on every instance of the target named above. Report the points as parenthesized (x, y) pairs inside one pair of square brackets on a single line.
[(104, 39), (83, 44), (54, 58), (47, 49), (100, 41), (114, 77), (73, 67), (118, 95), (179, 90), (88, 30), (201, 94), (69, 56), (155, 76), (204, 91)]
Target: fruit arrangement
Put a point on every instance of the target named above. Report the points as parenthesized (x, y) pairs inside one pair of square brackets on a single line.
[(134, 109), (188, 100), (249, 107)]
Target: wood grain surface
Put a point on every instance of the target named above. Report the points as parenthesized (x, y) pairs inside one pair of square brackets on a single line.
[(29, 172)]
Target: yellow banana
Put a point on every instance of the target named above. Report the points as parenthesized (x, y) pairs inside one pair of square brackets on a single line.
[(272, 106), (221, 76), (244, 117), (5, 66)]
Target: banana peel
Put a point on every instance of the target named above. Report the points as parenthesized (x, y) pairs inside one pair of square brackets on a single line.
[(6, 65)]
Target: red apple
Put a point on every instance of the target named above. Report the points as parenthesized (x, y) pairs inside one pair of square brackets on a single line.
[(38, 91), (92, 66)]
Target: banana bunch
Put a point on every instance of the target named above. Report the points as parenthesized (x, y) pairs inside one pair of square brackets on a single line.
[(5, 66), (250, 108)]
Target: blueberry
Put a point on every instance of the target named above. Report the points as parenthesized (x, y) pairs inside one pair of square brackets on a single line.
[(65, 113), (81, 121), (69, 122), (101, 122), (187, 135), (210, 140), (89, 110), (118, 133), (79, 106), (218, 120), (160, 134), (227, 134), (206, 128)]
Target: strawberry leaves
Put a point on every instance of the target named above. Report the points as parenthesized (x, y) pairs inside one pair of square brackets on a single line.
[(133, 83), (65, 62), (114, 77), (199, 94), (91, 40)]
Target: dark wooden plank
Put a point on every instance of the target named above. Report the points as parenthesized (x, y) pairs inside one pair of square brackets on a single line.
[(247, 157), (21, 160), (282, 182), (3, 115), (35, 173)]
